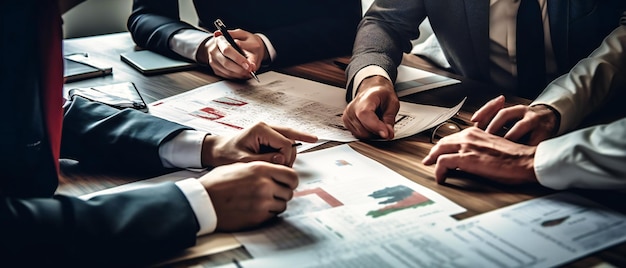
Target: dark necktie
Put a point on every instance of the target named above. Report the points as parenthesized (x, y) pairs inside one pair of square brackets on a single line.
[(531, 64)]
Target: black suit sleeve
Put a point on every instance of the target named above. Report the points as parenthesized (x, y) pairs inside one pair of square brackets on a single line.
[(299, 31), (98, 134), (152, 23), (125, 229)]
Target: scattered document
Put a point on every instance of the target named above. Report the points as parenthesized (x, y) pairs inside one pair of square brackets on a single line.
[(343, 202), (225, 107), (543, 232), (412, 80)]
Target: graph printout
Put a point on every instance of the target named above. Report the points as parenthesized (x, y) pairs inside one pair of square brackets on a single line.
[(343, 197), (226, 107), (542, 232)]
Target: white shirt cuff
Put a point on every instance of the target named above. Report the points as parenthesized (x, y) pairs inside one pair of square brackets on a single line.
[(366, 72), (183, 151), (187, 42), (269, 46), (200, 203)]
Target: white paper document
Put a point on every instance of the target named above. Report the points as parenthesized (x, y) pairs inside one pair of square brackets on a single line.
[(225, 107), (412, 80), (543, 232), (345, 201)]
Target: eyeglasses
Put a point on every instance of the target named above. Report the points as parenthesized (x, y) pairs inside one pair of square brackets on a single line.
[(444, 129)]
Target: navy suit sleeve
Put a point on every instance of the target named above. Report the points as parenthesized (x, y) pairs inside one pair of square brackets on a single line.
[(152, 23), (98, 134), (299, 31), (127, 229)]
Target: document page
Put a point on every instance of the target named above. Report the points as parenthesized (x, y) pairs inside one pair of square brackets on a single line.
[(225, 107), (412, 80), (543, 232), (346, 200)]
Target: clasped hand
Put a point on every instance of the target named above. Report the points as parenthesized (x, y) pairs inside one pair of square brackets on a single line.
[(503, 159), (249, 186)]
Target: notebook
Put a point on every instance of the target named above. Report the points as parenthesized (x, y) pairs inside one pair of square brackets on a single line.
[(119, 95), (148, 62), (79, 66)]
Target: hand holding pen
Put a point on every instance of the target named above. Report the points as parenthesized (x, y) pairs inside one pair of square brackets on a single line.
[(240, 57)]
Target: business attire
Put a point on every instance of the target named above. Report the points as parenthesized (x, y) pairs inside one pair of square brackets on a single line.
[(39, 227), (478, 37), (293, 31), (593, 157)]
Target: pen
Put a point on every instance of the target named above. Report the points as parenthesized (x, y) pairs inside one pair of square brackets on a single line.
[(222, 28), (267, 149), (236, 263)]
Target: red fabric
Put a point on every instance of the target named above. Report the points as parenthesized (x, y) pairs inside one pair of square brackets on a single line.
[(51, 39)]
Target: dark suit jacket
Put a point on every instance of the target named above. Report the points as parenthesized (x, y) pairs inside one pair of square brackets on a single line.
[(38, 227), (577, 27), (300, 31)]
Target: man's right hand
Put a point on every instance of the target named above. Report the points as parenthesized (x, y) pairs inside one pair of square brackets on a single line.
[(533, 123), (372, 112), (245, 195)]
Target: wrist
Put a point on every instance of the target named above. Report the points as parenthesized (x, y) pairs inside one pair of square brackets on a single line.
[(529, 164), (208, 158), (551, 118), (376, 81), (202, 54)]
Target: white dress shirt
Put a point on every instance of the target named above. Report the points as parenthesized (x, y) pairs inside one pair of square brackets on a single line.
[(184, 151), (593, 157)]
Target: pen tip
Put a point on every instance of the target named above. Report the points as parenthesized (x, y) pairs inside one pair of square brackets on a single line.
[(255, 77)]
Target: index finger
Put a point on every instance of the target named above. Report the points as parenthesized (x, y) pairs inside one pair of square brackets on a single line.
[(485, 114), (231, 53), (295, 134)]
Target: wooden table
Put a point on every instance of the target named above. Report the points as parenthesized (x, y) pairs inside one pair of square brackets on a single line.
[(404, 156)]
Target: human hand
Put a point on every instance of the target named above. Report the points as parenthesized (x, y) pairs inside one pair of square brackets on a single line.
[(260, 142), (372, 113), (534, 123), (247, 194), (475, 151), (227, 62)]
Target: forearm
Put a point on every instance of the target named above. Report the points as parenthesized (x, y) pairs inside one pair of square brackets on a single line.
[(153, 23), (131, 227), (97, 134), (383, 35), (589, 83)]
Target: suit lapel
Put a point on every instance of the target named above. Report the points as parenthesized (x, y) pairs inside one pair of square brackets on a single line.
[(559, 21), (477, 13)]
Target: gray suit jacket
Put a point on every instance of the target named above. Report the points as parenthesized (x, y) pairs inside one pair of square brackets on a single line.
[(462, 28)]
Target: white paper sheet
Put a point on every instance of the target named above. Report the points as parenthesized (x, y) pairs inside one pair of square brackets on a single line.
[(225, 107), (344, 198), (412, 80), (543, 232)]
